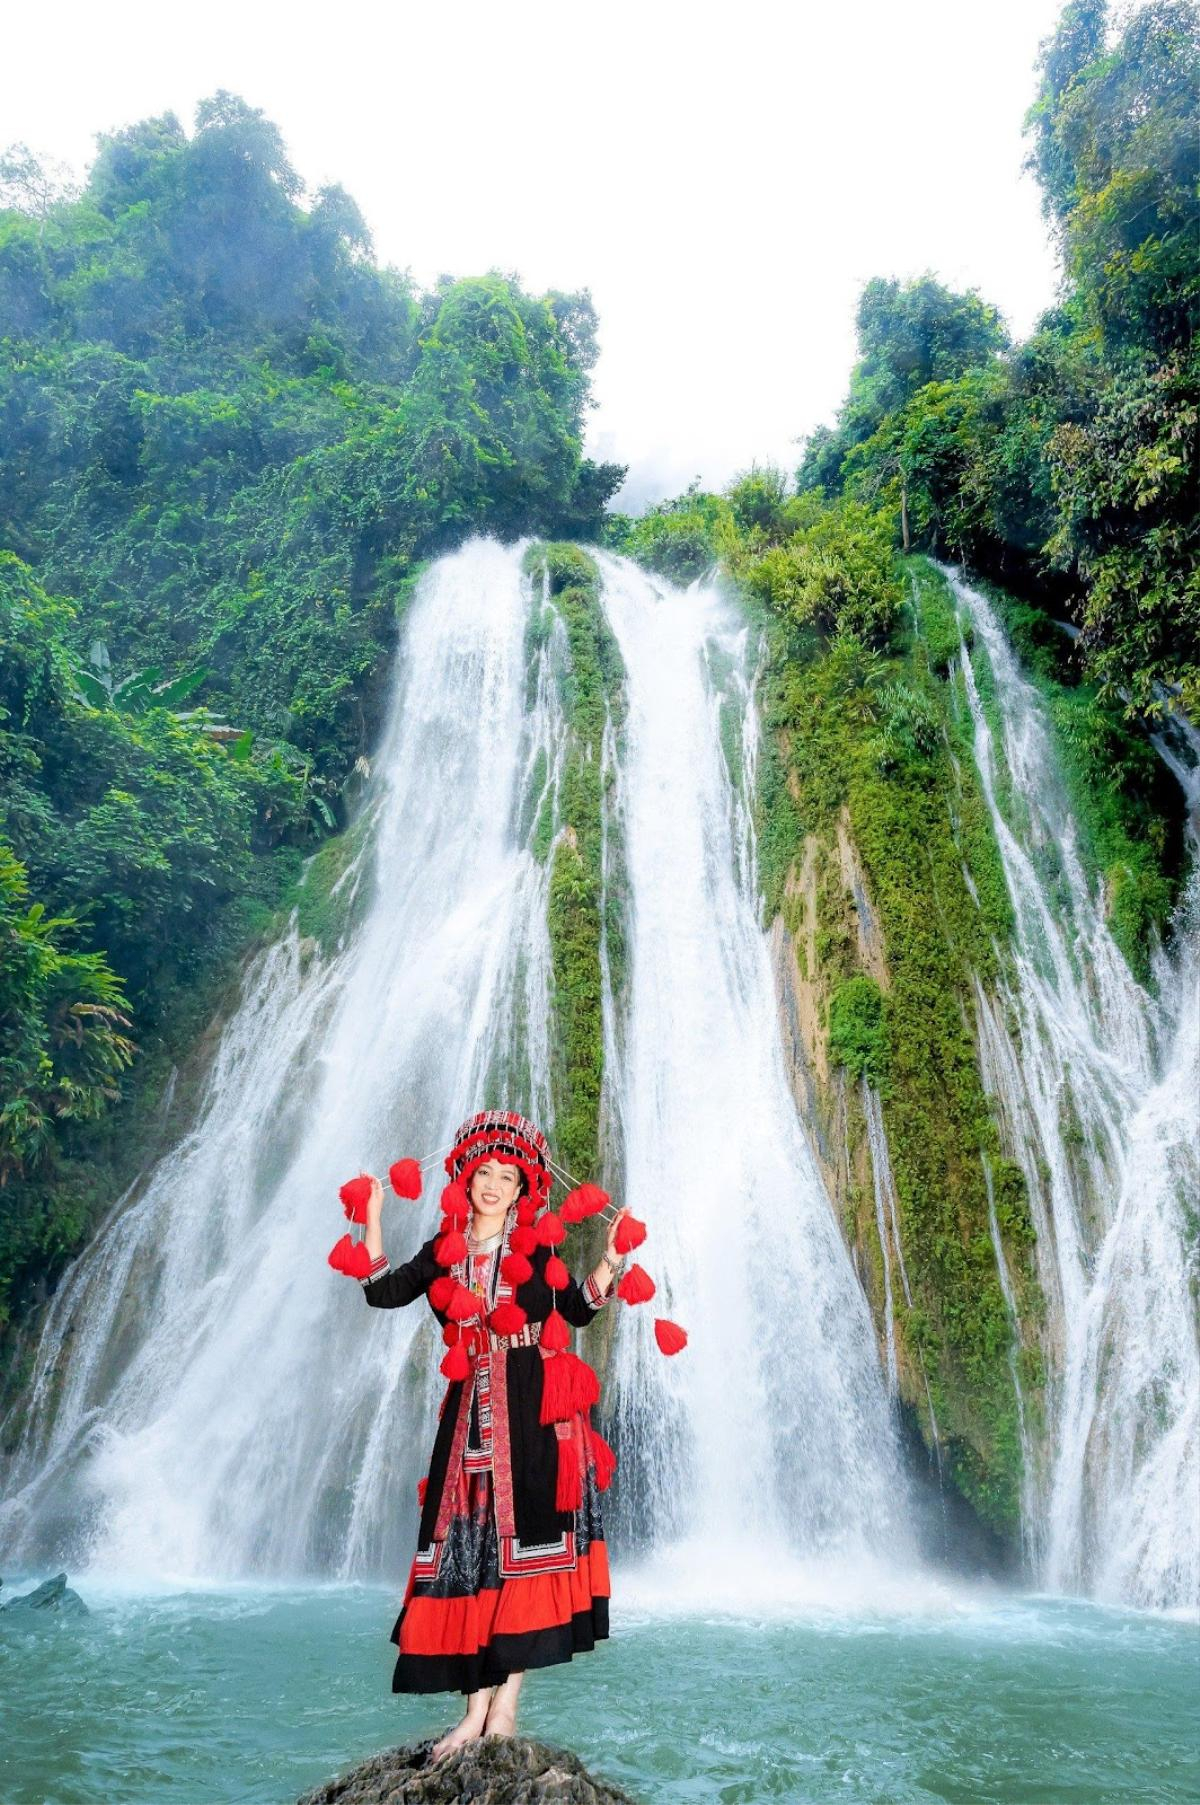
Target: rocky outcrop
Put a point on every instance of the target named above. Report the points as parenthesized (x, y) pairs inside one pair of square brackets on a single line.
[(52, 1598), (492, 1770)]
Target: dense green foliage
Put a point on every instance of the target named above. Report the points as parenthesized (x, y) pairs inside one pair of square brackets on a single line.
[(228, 439), (591, 693), (1064, 466), (858, 1030)]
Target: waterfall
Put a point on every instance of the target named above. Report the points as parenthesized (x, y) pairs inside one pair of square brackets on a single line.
[(210, 1401), (769, 1438), (209, 1398), (1098, 1099)]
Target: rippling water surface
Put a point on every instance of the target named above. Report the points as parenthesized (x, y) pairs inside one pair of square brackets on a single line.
[(248, 1696)]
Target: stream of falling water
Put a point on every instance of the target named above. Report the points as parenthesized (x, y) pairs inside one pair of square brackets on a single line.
[(1099, 1097), (770, 1442), (209, 1399)]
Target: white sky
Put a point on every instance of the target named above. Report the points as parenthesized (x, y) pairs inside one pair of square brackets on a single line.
[(723, 182)]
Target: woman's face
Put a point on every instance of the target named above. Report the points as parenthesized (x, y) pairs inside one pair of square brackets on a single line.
[(494, 1185)]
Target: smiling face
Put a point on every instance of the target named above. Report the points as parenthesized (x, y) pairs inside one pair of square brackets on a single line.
[(495, 1184)]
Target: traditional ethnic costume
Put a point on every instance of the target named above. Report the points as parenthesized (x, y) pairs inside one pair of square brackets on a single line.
[(511, 1570)]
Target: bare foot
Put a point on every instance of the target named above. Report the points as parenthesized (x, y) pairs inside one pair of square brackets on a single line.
[(466, 1730), (501, 1721)]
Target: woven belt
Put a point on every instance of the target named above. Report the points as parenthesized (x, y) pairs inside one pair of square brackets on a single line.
[(529, 1336)]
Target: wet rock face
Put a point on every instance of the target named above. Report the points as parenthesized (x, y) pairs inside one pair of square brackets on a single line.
[(53, 1597), (493, 1770)]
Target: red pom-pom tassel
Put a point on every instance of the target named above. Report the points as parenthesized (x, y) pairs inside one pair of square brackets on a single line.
[(603, 1457), (548, 1230), (584, 1200), (523, 1240), (450, 1333), (630, 1234), (340, 1252), (358, 1261), (669, 1336), (515, 1269), (441, 1290), (405, 1177), (527, 1209), (637, 1286), (449, 1248), (354, 1195), (462, 1305), (455, 1364), (456, 1205), (556, 1273), (507, 1319), (568, 1490), (555, 1333)]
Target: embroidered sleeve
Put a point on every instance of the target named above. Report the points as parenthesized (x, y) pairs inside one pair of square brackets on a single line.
[(579, 1303), (389, 1287), (596, 1297)]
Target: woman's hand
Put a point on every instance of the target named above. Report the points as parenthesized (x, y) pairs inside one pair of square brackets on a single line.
[(375, 1201), (612, 1230)]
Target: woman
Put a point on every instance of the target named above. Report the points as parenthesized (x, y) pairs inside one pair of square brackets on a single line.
[(511, 1570)]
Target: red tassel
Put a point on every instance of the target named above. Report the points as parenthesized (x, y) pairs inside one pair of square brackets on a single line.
[(354, 1195), (558, 1390), (358, 1261), (555, 1333), (630, 1234), (450, 1248), (450, 1333), (422, 1488), (515, 1269), (548, 1230), (523, 1239), (455, 1364), (556, 1274), (463, 1304), (669, 1336), (586, 1385), (456, 1204), (339, 1253), (568, 1490), (584, 1200), (604, 1458), (637, 1286), (507, 1319), (527, 1209), (441, 1291), (405, 1178)]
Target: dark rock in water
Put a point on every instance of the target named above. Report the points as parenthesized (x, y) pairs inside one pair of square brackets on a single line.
[(492, 1770), (54, 1595)]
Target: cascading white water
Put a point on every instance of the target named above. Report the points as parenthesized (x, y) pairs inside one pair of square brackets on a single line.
[(1100, 1102), (769, 1438), (209, 1397)]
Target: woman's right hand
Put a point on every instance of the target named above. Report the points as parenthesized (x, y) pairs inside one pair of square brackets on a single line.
[(375, 1201)]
